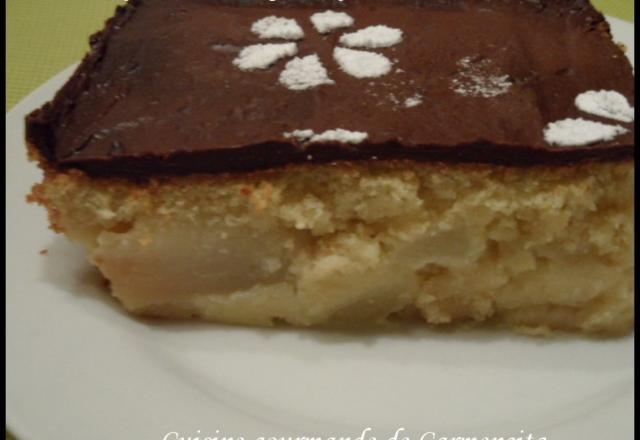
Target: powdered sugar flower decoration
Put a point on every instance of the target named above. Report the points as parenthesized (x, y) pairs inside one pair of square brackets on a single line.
[(360, 63), (304, 73), (336, 135), (299, 135), (261, 56), (307, 72), (278, 27), (372, 37), (329, 21), (576, 132), (340, 135), (606, 103)]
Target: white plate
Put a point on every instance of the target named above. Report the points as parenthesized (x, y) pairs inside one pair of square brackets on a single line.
[(78, 367)]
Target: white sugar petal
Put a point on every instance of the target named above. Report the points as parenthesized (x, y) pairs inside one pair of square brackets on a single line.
[(304, 73), (362, 64), (277, 27), (300, 135), (575, 132), (261, 56), (372, 37), (328, 21), (606, 103), (340, 135)]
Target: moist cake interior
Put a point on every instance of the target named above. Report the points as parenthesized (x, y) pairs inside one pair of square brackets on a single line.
[(536, 249)]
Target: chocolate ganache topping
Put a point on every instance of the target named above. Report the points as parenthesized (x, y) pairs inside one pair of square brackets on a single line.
[(209, 86)]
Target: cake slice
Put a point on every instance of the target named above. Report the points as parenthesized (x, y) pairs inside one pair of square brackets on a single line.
[(351, 162)]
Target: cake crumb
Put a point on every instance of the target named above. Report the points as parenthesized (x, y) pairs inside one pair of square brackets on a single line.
[(304, 73), (362, 64), (372, 37), (328, 21), (261, 56), (576, 132), (277, 27), (44, 252), (606, 103)]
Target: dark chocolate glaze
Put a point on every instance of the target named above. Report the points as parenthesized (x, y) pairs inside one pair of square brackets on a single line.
[(158, 93)]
